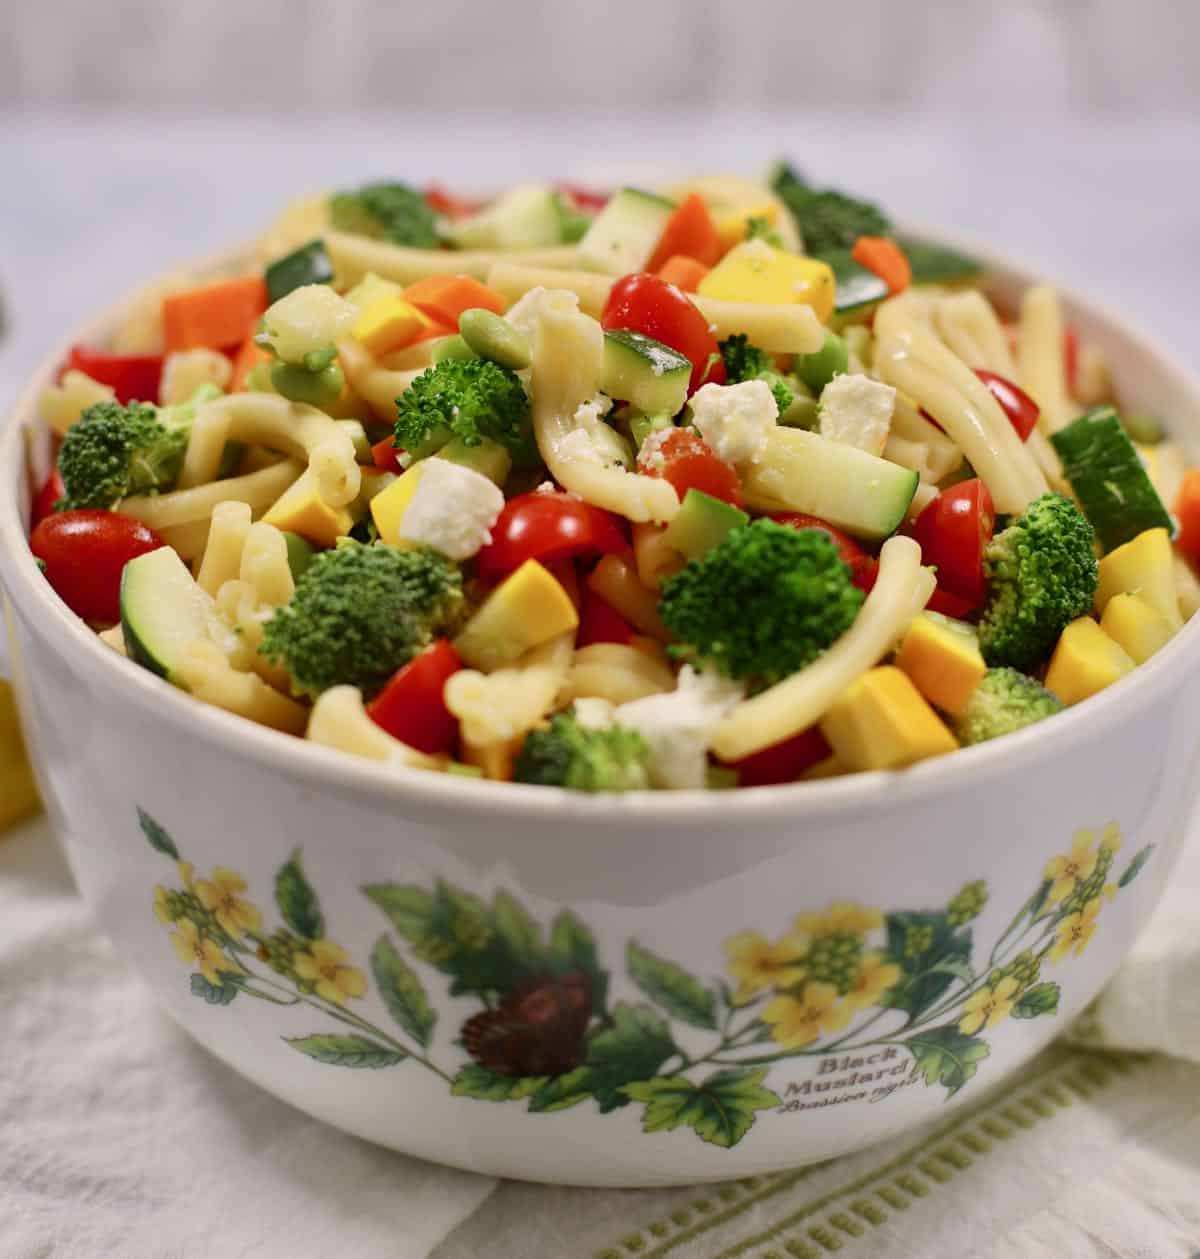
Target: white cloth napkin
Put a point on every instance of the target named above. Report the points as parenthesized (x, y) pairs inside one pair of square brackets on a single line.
[(121, 1138)]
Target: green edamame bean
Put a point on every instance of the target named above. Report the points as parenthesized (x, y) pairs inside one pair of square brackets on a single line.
[(817, 370), (494, 338), (452, 347), (318, 389), (1143, 429)]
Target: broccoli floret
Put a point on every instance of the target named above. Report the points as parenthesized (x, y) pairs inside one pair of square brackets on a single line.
[(762, 603), (1004, 701), (470, 400), (826, 219), (359, 613), (759, 228), (392, 212), (744, 361), (115, 451), (566, 754), (1042, 574)]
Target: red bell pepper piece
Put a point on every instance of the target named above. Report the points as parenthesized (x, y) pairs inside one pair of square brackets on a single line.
[(134, 377), (411, 708)]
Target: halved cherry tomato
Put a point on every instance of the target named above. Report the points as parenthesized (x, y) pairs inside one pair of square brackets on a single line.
[(386, 457), (46, 497), (855, 557), (442, 201), (547, 527), (782, 762), (600, 622), (940, 601), (953, 531), (688, 462), (1071, 360), (587, 200), (1020, 408), (84, 553), (644, 303), (410, 707), (1187, 509), (134, 377)]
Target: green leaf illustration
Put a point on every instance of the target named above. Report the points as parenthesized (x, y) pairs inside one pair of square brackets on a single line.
[(409, 908), (1040, 999), (573, 947), (561, 1092), (931, 952), (671, 987), (521, 935), (721, 1110), (944, 1055), (215, 994), (297, 901), (346, 1051), (1134, 868), (477, 1081), (402, 991), (158, 837)]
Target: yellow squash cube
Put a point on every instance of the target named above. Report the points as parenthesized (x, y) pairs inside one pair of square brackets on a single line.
[(1145, 565), (1085, 661), (526, 609), (388, 506), (758, 272), (1133, 624), (882, 721), (388, 323), (302, 510), (943, 659)]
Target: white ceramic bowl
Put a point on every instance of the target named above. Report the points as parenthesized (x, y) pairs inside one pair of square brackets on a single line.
[(381, 948)]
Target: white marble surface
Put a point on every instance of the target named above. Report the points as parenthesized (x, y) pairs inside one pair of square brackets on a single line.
[(92, 204)]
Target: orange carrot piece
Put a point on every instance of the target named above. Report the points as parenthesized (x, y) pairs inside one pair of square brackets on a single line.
[(214, 316), (1187, 509), (690, 230), (684, 272), (434, 332), (444, 297), (886, 259), (246, 359)]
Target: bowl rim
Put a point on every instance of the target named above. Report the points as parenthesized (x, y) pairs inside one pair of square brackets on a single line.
[(343, 774)]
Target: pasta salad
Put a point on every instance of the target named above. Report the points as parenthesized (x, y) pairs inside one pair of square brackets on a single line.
[(723, 484)]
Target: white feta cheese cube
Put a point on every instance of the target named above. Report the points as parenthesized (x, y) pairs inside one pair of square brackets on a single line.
[(736, 420), (452, 509), (857, 411)]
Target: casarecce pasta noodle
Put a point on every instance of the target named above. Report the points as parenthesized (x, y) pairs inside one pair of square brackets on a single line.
[(723, 484)]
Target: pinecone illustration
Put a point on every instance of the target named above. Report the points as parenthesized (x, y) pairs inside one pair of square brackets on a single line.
[(918, 938), (538, 1029), (833, 959), (968, 903)]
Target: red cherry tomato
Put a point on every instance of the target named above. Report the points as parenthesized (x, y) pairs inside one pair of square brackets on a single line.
[(410, 707), (1020, 408), (646, 304), (688, 462), (587, 200), (600, 622), (953, 531), (782, 762), (548, 527), (46, 497), (386, 457), (134, 377), (854, 556), (84, 553), (940, 601)]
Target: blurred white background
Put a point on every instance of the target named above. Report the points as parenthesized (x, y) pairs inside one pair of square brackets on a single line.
[(136, 131)]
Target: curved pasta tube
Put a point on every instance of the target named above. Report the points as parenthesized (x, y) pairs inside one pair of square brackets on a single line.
[(617, 673), (62, 405), (1040, 357), (339, 720), (909, 355), (617, 583), (900, 592), (355, 256), (195, 506), (969, 326), (908, 424), (377, 385), (567, 348), (495, 708), (654, 557), (268, 420), (205, 671), (512, 280), (185, 371), (228, 527)]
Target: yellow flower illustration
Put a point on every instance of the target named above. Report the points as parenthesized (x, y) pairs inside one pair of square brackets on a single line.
[(873, 978), (798, 1021), (199, 951), (756, 963), (1066, 873), (1075, 931), (161, 904), (186, 874), (1110, 838), (988, 1006), (220, 897), (840, 917), (324, 966)]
